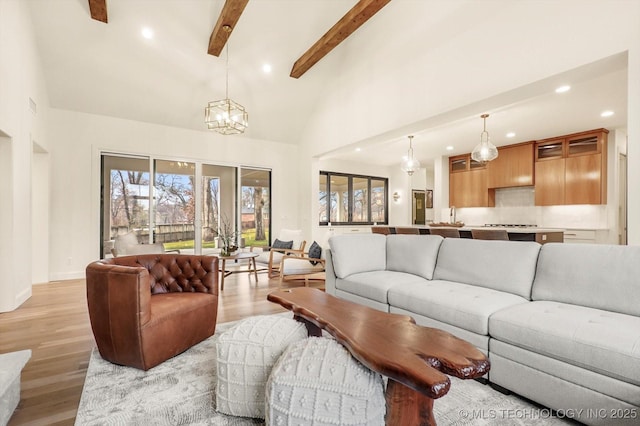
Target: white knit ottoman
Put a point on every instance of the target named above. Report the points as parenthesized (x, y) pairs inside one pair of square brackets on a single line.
[(317, 382), (246, 354)]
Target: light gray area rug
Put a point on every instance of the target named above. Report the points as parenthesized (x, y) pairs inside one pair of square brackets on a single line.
[(181, 391)]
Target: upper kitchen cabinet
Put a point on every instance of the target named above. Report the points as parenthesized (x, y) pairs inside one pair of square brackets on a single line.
[(572, 169), (513, 167), (467, 182)]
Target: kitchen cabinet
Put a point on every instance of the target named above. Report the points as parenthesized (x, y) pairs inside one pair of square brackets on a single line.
[(550, 182), (513, 167), (467, 182), (580, 236), (572, 169), (586, 236), (583, 180)]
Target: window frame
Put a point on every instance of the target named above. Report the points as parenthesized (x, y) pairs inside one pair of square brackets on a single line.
[(326, 175)]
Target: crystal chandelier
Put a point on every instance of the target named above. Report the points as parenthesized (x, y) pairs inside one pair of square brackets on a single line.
[(485, 151), (226, 116), (410, 164)]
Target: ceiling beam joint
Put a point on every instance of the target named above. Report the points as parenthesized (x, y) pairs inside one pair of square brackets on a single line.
[(229, 16)]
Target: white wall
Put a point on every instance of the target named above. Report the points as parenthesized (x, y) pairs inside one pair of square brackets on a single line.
[(75, 187), (40, 178), (633, 144), (20, 79), (387, 83)]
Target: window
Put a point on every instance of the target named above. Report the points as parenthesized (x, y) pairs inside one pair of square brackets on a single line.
[(345, 199), (174, 204), (256, 206), (182, 204)]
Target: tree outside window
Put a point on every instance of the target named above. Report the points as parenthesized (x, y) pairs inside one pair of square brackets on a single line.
[(352, 199)]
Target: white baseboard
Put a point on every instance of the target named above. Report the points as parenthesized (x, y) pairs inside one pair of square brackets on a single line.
[(23, 296)]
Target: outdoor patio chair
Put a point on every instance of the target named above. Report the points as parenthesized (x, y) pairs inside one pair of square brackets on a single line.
[(270, 257), (308, 266)]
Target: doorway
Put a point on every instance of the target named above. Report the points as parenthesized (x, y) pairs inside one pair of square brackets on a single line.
[(419, 198), (622, 207)]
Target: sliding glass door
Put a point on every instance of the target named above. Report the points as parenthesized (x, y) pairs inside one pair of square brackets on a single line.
[(174, 205), (218, 203), (125, 199), (182, 204), (255, 206)]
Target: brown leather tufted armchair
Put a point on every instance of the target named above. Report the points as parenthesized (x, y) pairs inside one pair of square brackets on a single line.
[(146, 309)]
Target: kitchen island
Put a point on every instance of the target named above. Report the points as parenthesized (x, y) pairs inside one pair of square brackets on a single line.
[(515, 233)]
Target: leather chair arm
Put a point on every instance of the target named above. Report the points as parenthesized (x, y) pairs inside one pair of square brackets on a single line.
[(119, 300)]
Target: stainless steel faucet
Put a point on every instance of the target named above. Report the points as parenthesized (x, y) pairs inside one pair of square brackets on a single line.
[(452, 214)]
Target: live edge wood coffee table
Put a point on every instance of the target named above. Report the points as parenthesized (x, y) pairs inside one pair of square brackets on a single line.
[(414, 358)]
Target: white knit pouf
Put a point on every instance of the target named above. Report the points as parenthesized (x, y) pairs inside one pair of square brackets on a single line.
[(246, 354), (317, 382)]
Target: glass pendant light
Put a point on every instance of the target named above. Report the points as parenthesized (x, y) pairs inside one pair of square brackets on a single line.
[(410, 164), (485, 151)]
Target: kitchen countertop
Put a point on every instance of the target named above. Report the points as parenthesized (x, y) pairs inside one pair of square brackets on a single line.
[(511, 229)]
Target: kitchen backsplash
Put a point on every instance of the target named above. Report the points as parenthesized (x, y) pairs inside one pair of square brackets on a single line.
[(516, 197), (517, 206)]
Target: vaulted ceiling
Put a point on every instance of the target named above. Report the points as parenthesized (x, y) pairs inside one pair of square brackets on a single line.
[(111, 69)]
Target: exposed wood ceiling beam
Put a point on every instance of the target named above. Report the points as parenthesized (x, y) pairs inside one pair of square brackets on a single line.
[(358, 15), (98, 10), (229, 16)]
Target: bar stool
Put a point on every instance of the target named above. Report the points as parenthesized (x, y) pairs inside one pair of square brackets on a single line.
[(490, 234), (445, 232)]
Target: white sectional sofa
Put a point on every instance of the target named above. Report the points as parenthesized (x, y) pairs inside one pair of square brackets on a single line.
[(560, 322)]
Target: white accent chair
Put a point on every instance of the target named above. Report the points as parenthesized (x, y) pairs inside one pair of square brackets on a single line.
[(301, 268), (272, 258)]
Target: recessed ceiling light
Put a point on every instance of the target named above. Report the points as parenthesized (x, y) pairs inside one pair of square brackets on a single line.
[(563, 89), (358, 149), (606, 114), (449, 148), (511, 135), (147, 33), (266, 68)]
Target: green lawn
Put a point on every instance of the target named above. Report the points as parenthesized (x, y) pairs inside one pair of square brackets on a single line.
[(249, 236)]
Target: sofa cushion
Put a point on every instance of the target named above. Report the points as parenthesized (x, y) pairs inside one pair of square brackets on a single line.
[(593, 275), (264, 256), (604, 342), (315, 251), (353, 254), (277, 244), (501, 265), (293, 265), (375, 285), (414, 254), (461, 305)]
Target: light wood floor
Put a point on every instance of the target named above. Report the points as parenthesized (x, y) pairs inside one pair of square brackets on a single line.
[(54, 324)]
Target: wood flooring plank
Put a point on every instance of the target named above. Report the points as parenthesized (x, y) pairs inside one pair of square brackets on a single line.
[(54, 324)]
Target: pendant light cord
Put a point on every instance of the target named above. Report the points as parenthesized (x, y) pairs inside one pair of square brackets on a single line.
[(226, 93)]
